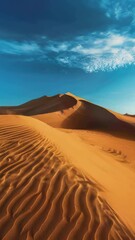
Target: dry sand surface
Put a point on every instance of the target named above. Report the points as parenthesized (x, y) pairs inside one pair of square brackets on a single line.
[(66, 184)]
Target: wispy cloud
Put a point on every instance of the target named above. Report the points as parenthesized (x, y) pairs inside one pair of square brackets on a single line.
[(119, 9), (57, 47), (103, 51), (18, 48)]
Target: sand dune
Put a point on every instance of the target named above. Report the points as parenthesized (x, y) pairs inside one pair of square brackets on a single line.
[(69, 111), (44, 192), (42, 105), (72, 183)]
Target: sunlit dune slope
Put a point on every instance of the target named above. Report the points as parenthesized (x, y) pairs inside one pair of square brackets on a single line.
[(69, 111), (53, 186)]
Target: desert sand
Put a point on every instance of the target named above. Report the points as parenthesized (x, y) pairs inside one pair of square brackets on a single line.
[(67, 171)]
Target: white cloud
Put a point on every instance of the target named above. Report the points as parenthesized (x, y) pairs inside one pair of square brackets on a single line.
[(93, 52), (111, 62), (86, 51), (100, 52), (115, 40)]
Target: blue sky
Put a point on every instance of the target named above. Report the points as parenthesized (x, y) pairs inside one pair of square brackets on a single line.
[(83, 46)]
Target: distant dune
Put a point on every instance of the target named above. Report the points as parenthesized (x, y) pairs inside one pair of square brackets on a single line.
[(69, 111), (130, 115), (72, 180)]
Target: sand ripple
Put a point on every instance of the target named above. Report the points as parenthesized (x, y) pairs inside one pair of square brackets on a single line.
[(44, 197)]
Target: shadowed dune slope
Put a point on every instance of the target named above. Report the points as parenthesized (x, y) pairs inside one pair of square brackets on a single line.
[(90, 116), (42, 195), (86, 115), (42, 105), (69, 111)]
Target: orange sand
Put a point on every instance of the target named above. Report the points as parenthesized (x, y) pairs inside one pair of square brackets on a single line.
[(71, 184)]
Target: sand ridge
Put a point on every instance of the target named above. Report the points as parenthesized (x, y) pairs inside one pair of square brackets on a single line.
[(43, 195), (72, 112)]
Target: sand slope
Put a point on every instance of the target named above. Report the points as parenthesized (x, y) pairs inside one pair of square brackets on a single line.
[(44, 192), (69, 111), (121, 149)]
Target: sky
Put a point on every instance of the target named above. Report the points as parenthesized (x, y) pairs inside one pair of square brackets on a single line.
[(86, 47)]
